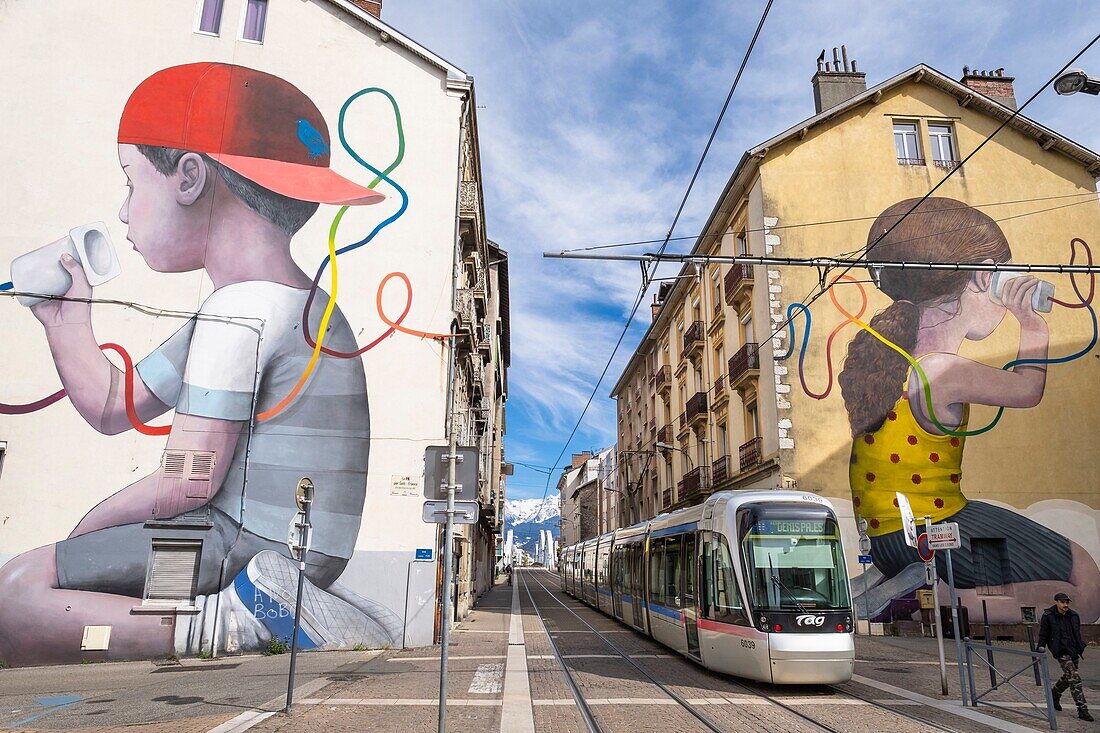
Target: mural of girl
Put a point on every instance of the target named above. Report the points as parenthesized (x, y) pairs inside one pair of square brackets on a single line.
[(898, 445)]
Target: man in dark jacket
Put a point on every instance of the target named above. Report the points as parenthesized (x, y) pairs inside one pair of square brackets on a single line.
[(1060, 631)]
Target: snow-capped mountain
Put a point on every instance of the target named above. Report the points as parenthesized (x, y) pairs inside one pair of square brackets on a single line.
[(525, 511), (527, 517)]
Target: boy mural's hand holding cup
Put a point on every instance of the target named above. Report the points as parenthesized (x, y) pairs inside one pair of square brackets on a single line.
[(56, 313)]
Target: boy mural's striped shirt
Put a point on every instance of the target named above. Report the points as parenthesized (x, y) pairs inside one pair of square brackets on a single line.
[(903, 456), (213, 365)]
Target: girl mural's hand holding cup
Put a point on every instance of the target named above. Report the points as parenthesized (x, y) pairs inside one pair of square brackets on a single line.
[(1017, 295)]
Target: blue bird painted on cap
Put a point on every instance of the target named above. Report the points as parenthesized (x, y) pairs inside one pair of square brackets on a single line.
[(312, 139)]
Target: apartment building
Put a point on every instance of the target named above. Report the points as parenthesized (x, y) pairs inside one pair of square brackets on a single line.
[(722, 394)]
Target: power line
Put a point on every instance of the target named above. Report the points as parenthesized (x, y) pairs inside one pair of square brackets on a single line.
[(824, 222), (822, 288), (646, 273)]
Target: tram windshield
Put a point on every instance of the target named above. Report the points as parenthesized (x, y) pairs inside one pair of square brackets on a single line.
[(793, 559)]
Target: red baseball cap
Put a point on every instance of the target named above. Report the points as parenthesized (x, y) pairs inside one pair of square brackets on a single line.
[(253, 123)]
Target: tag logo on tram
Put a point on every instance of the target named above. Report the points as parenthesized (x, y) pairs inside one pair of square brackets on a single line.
[(809, 619)]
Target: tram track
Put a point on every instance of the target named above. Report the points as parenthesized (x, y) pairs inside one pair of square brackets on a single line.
[(815, 724)]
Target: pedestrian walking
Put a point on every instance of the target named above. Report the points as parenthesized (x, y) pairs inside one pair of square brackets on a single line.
[(1060, 631)]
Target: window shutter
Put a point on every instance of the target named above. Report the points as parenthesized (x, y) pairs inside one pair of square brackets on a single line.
[(173, 572)]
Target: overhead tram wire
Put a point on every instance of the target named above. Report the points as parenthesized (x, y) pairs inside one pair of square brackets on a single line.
[(821, 288), (824, 222), (646, 272)]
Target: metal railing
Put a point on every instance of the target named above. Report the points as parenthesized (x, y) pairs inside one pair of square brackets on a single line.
[(744, 361), (662, 378), (749, 453), (664, 434), (696, 406), (693, 482), (945, 164), (693, 335), (910, 161), (721, 470), (736, 277), (985, 656)]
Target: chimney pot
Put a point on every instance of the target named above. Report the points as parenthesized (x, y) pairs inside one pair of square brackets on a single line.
[(838, 82), (992, 84)]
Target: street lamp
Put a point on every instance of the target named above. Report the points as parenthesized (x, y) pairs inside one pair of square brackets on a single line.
[(669, 446), (1076, 80)]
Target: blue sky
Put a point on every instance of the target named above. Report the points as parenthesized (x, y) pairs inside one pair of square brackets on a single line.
[(593, 115)]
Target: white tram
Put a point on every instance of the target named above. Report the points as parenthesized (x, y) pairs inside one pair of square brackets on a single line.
[(750, 583)]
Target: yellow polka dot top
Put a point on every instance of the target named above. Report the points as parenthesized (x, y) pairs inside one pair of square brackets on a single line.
[(903, 456)]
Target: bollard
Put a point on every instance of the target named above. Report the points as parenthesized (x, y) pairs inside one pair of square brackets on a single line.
[(988, 646)]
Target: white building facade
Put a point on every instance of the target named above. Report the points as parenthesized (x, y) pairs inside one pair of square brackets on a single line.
[(420, 318)]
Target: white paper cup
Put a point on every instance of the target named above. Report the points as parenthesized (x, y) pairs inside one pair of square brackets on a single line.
[(40, 270)]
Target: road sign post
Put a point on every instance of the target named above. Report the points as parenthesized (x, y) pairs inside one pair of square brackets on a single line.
[(946, 537), (298, 549), (929, 556)]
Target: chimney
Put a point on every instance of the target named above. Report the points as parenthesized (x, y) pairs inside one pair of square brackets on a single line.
[(374, 7), (579, 459), (992, 84), (836, 81)]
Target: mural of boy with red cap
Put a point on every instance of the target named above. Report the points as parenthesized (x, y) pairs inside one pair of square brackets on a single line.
[(224, 165)]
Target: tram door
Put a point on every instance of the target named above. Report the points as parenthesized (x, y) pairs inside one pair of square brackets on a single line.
[(617, 589), (637, 581), (690, 606)]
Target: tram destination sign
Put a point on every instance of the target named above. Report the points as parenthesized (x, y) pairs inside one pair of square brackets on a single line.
[(945, 536), (790, 526)]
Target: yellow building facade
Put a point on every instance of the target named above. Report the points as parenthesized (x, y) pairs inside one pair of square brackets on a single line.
[(742, 400)]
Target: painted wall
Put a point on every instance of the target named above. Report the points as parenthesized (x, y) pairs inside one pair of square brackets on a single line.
[(1038, 462), (65, 110)]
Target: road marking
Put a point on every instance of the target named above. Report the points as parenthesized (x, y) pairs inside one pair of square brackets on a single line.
[(517, 716), (449, 657), (399, 701), (947, 707), (242, 722), (478, 631), (487, 679), (49, 705)]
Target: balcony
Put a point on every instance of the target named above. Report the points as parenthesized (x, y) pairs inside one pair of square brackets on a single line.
[(464, 309), (719, 394), (721, 470), (749, 453), (477, 377), (744, 365), (694, 337), (662, 379), (910, 161), (738, 281), (696, 408), (664, 434), (693, 484), (666, 498)]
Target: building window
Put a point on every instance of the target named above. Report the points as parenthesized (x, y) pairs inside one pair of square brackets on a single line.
[(906, 144), (173, 571), (255, 18), (942, 143), (721, 448), (210, 16), (716, 279), (742, 243)]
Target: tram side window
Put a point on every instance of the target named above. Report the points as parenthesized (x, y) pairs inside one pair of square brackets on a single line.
[(665, 569), (723, 599)]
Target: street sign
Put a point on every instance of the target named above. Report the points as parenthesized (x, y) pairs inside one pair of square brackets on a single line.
[(926, 553), (864, 544), (299, 536), (861, 526), (424, 553), (435, 512), (435, 473), (304, 493), (908, 523), (930, 574), (945, 536), (865, 560)]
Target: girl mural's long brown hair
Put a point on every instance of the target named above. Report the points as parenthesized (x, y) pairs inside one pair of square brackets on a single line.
[(939, 230)]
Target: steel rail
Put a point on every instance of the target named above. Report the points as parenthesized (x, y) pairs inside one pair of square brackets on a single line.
[(582, 704), (671, 693)]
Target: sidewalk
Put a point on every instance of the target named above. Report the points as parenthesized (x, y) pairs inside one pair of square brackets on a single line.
[(399, 690), (912, 663)]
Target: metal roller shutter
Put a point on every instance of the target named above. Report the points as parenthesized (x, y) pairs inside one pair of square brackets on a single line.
[(174, 571)]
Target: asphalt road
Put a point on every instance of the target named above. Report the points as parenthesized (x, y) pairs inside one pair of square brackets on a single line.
[(125, 693)]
